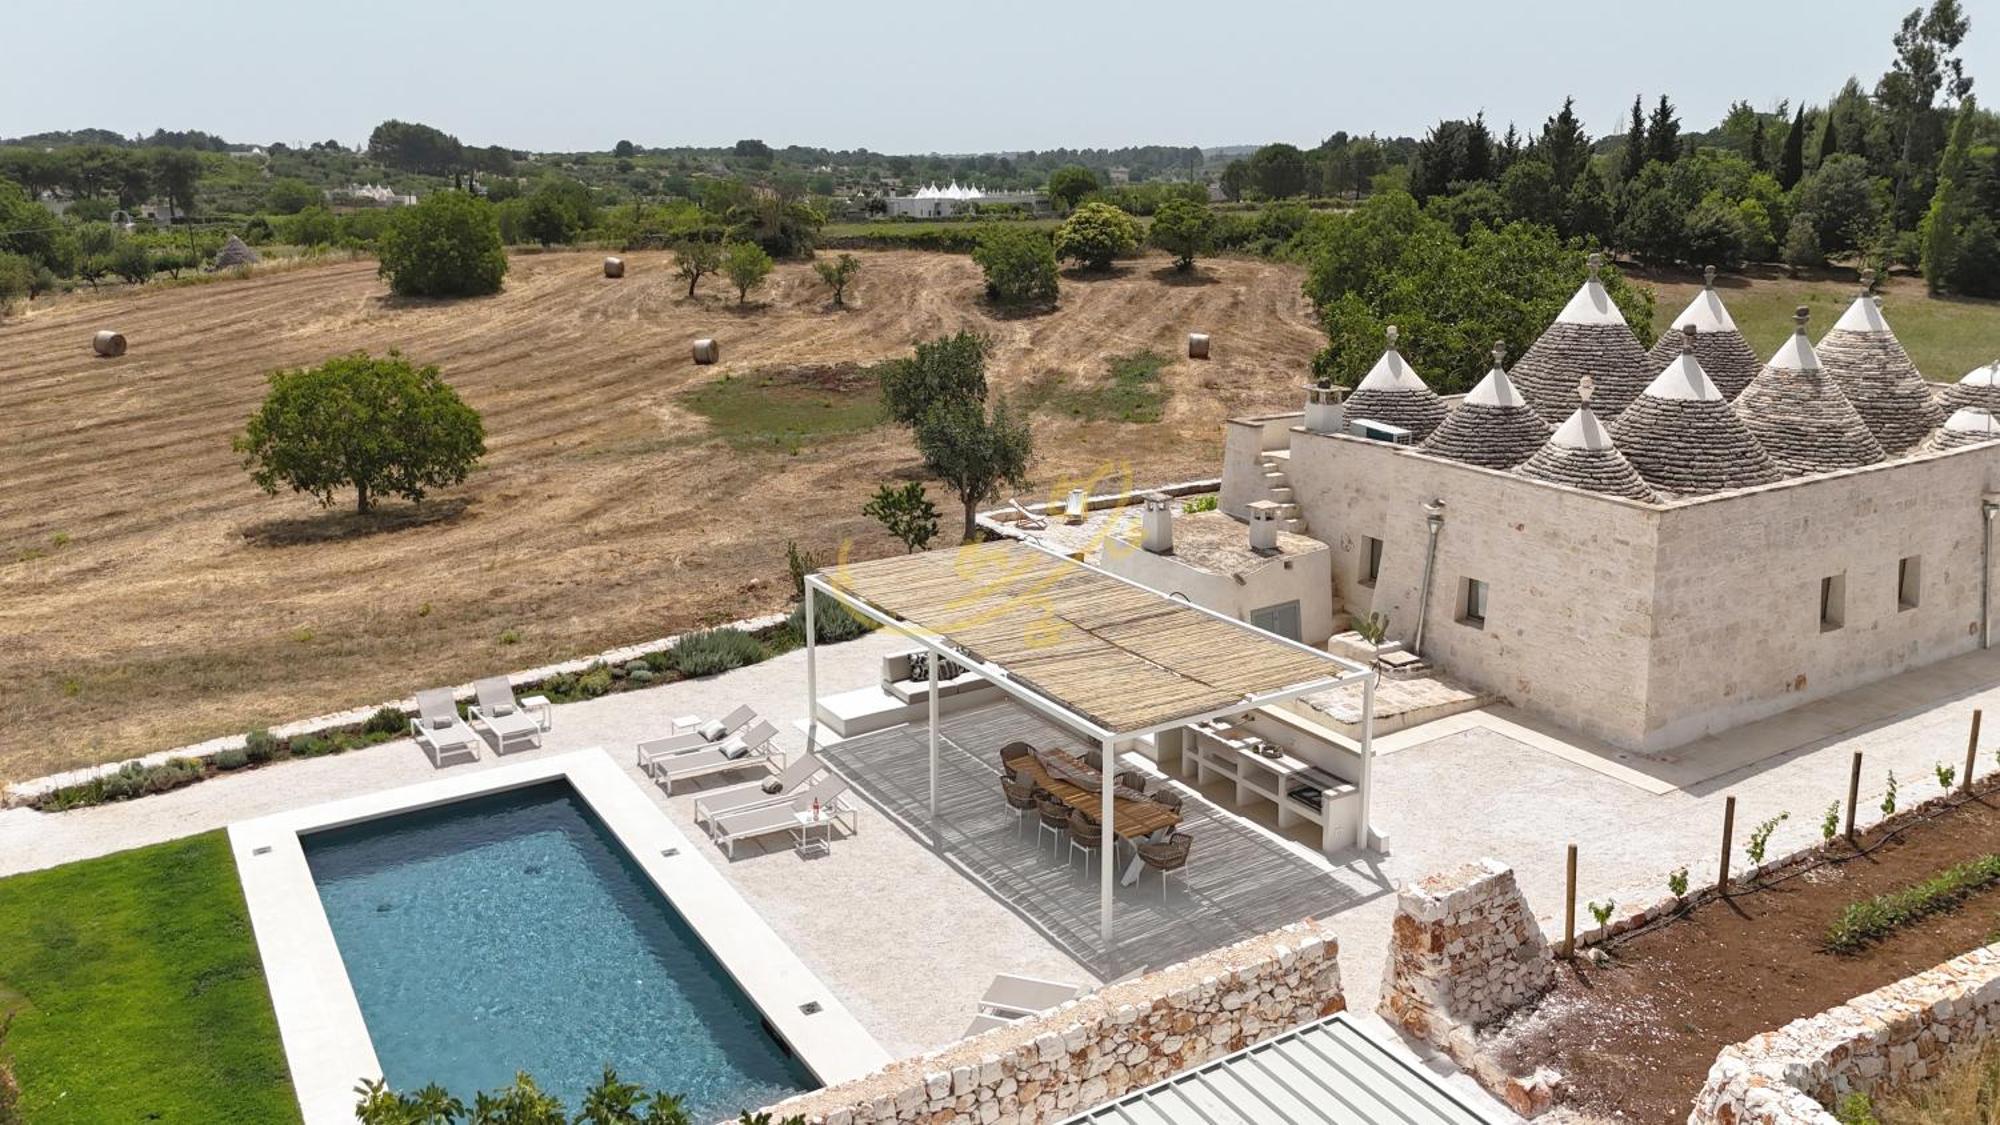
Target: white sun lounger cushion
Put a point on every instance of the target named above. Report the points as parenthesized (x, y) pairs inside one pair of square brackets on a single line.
[(713, 730)]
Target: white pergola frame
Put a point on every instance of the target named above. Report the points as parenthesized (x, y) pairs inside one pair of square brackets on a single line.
[(1107, 739)]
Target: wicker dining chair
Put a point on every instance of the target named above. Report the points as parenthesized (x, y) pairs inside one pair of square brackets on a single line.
[(1094, 759), (1086, 835), (1133, 780), (1020, 796), (1012, 753), (1167, 858), (1171, 798), (1055, 821)]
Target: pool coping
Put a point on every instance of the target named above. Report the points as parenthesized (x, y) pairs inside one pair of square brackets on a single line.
[(327, 1044)]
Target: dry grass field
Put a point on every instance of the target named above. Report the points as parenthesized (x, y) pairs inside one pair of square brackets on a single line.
[(150, 595)]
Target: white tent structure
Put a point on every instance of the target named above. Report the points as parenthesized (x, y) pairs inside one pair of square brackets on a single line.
[(1100, 655)]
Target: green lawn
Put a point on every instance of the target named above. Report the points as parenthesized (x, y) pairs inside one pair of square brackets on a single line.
[(1946, 337), (139, 993), (1131, 391)]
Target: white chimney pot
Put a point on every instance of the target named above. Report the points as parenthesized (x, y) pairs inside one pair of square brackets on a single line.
[(1263, 526), (1156, 524)]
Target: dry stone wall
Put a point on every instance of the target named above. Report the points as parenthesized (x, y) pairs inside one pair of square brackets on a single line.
[(1121, 1038), (1888, 1039), (1464, 952)]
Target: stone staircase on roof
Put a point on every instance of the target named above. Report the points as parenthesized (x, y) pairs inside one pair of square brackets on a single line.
[(1278, 489)]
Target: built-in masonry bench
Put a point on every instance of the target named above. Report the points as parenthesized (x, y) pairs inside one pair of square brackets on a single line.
[(1267, 759)]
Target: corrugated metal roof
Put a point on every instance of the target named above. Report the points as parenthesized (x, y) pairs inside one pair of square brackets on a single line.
[(1321, 1074)]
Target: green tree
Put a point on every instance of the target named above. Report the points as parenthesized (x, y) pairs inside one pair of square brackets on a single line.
[(1792, 159), (448, 245), (838, 275), (1947, 214), (378, 426), (1714, 234), (906, 512), (1094, 234), (411, 147), (175, 171), (1529, 189), (290, 195), (312, 226), (17, 280), (1587, 211), (26, 227), (133, 261), (1663, 133), (946, 368), (1632, 159), (623, 149), (550, 216), (975, 451), (431, 1105), (696, 258), (1926, 64), (1184, 229), (1844, 200), (746, 266), (1277, 171), (1802, 248), (1069, 184), (1019, 263), (1564, 146)]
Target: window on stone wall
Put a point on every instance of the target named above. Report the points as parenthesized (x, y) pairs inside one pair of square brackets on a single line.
[(1909, 582), (1832, 602), (1371, 560), (1471, 603)]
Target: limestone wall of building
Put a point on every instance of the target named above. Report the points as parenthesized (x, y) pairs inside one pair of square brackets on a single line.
[(1243, 441), (1737, 632), (1118, 1039), (1886, 1040), (1569, 575)]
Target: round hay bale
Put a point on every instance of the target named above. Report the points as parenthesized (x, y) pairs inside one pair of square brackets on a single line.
[(108, 343), (706, 352), (1197, 345), (614, 267)]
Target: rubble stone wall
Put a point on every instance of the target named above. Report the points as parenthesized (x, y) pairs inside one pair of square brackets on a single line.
[(1121, 1038), (1886, 1040)]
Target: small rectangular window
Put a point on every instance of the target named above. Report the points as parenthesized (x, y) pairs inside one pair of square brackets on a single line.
[(1371, 560), (1472, 602), (1282, 619), (1909, 582), (1832, 602)]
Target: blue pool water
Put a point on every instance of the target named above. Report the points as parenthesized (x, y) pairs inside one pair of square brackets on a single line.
[(513, 932)]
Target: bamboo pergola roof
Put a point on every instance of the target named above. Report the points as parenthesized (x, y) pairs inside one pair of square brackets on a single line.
[(1124, 658)]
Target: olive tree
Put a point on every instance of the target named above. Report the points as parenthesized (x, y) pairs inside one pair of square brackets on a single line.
[(1020, 265), (906, 512), (448, 245), (378, 426), (696, 258), (1184, 229), (1095, 233), (747, 266), (974, 451), (944, 369), (838, 275)]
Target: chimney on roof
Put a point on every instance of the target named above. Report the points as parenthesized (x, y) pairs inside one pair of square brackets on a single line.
[(1156, 525), (1264, 526)]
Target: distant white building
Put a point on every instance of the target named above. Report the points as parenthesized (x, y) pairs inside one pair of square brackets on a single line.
[(379, 195), (934, 202)]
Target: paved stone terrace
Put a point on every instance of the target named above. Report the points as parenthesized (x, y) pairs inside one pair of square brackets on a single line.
[(910, 941)]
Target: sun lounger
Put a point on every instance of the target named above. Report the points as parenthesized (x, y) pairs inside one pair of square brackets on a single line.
[(715, 730), (440, 732), (749, 795), (829, 790), (751, 748), (1015, 997), (511, 727), (653, 750)]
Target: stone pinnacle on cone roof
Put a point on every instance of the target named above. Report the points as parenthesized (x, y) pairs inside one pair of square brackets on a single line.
[(1863, 356), (1799, 414), (1493, 426), (1589, 337), (1393, 393)]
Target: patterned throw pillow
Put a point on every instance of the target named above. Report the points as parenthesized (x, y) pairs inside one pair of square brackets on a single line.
[(920, 667)]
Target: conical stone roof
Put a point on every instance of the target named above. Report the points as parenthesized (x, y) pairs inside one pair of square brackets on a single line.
[(1799, 415), (1869, 363), (1581, 454), (1391, 392), (1724, 354), (234, 253), (1980, 387), (1682, 436), (1493, 426), (1589, 337), (1969, 425)]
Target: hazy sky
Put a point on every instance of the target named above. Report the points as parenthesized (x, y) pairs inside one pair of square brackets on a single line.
[(907, 77)]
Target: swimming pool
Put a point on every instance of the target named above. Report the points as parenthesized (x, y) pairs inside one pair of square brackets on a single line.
[(512, 931)]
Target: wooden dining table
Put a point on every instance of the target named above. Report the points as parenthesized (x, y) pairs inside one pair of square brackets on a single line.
[(1131, 820)]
